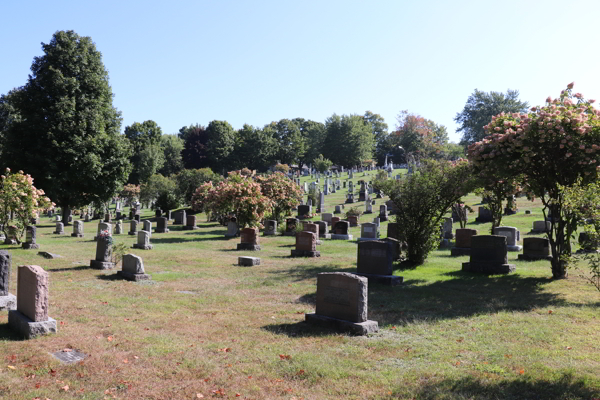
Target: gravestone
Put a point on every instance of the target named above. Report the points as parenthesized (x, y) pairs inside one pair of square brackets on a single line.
[(368, 231), (118, 215), (137, 218), (512, 237), (368, 207), (190, 223), (30, 319), (133, 268), (447, 229), (131, 214), (587, 243), (323, 234), (168, 215), (342, 302), (290, 226), (8, 301), (103, 227), (326, 217), (161, 225), (107, 217), (462, 243), (338, 209), (535, 249), (353, 220), (246, 261), (77, 229), (133, 227), (57, 218), (392, 230), (30, 238), (87, 217), (157, 213), (249, 240), (322, 207), (396, 248), (147, 226), (306, 245), (119, 227), (143, 241), (180, 217), (485, 215), (60, 229), (456, 215), (311, 227), (103, 254), (383, 212), (377, 222), (270, 228), (11, 233), (488, 255), (541, 227), (232, 228), (304, 211), (340, 231), (375, 261)]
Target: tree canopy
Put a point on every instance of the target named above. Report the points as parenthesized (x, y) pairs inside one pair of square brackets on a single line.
[(348, 140)]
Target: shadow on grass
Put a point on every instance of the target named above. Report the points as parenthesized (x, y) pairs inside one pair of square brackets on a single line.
[(298, 329), (563, 388), (111, 277), (78, 268), (8, 334), (404, 266), (303, 272), (188, 238)]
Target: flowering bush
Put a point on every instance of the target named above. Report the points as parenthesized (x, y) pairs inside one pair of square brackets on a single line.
[(282, 168), (19, 197), (131, 193), (553, 145), (496, 190), (106, 236), (283, 192)]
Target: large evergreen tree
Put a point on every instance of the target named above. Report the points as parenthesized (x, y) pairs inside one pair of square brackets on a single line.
[(67, 135), (348, 141)]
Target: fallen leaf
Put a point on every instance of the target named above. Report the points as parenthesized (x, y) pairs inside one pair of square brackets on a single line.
[(65, 388), (62, 323), (460, 339), (393, 327), (550, 311), (52, 372), (569, 347), (38, 385), (69, 280), (285, 357), (508, 355), (110, 338), (237, 395), (11, 367), (522, 371), (125, 361), (125, 319), (136, 357), (457, 363), (301, 372), (199, 396)]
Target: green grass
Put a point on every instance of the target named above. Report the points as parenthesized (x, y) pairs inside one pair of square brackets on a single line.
[(443, 334)]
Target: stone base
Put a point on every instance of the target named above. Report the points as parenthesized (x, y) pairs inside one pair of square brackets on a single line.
[(335, 236), (62, 233), (368, 212), (325, 236), (30, 246), (319, 243), (248, 246), (487, 268), (483, 220), (460, 251), (305, 253), (536, 232), (270, 233), (514, 248), (166, 230), (389, 280), (10, 241), (533, 257), (142, 246), (350, 201), (356, 328), (366, 239), (289, 233), (28, 328), (510, 212), (229, 235), (352, 225), (101, 264), (190, 228), (133, 277), (79, 235), (8, 302), (586, 251), (449, 236), (382, 218), (248, 261), (129, 233)]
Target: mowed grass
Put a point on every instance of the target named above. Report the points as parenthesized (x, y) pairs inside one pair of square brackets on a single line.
[(205, 326)]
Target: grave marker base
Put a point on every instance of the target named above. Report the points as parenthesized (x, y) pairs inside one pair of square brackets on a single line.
[(248, 261), (383, 218), (160, 231), (289, 233), (248, 246), (59, 233), (189, 228), (79, 235), (133, 277), (30, 246), (270, 233), (460, 251), (305, 253), (356, 328), (231, 235), (325, 235), (8, 302), (389, 280), (366, 239), (335, 236), (486, 268), (132, 233), (533, 257), (514, 248), (28, 328), (101, 264), (142, 246)]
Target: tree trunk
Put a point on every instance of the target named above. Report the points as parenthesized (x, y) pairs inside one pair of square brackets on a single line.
[(66, 211)]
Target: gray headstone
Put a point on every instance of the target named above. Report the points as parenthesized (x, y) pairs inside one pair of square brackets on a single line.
[(342, 296)]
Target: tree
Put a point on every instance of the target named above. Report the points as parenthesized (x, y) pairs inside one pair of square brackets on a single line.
[(496, 190), (67, 136), (8, 113), (314, 134), (221, 142), (422, 199), (255, 149), (150, 161), (195, 149), (145, 139), (322, 164), (554, 147), (188, 180), (172, 148), (130, 193), (480, 109), (348, 140), (283, 193), (156, 185), (380, 133), (290, 142)]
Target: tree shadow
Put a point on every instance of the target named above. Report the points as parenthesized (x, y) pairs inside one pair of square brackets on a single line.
[(157, 240), (563, 387), (8, 334), (78, 268), (220, 232), (302, 271), (297, 330), (404, 265), (111, 277)]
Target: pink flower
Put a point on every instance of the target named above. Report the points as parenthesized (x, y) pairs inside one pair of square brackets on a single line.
[(591, 101), (578, 95), (570, 85), (549, 99), (562, 146)]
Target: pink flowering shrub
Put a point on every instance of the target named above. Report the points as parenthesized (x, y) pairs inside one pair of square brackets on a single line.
[(552, 145), (19, 196), (283, 192)]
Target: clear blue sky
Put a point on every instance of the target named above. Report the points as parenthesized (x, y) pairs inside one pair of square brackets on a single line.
[(185, 62)]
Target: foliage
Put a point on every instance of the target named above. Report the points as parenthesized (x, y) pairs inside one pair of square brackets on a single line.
[(314, 134), (118, 251), (480, 109), (348, 140), (200, 198), (381, 182), (353, 212), (155, 185), (172, 147), (147, 156), (18, 197), (106, 236), (220, 145), (255, 148), (195, 150), (291, 144), (188, 180), (422, 199), (67, 135), (283, 168), (151, 159), (282, 191), (167, 200), (496, 190), (240, 195), (322, 164), (553, 147), (130, 193)]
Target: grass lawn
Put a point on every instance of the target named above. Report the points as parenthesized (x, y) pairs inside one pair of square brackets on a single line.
[(207, 328)]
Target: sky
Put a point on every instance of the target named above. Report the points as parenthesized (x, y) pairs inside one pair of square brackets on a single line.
[(190, 62)]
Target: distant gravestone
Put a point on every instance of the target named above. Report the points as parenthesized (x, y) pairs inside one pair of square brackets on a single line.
[(392, 230), (340, 231), (180, 217), (77, 229), (447, 229), (311, 227), (368, 231), (541, 227), (30, 319), (133, 268), (143, 241), (103, 228), (290, 226), (462, 243), (232, 229), (488, 255), (383, 212), (512, 237), (30, 238), (8, 301), (147, 226), (133, 227), (342, 302), (368, 207), (119, 227), (270, 228), (246, 261), (485, 215), (137, 218), (103, 258), (375, 261), (190, 223), (535, 249), (326, 217), (306, 245), (161, 225), (304, 211), (353, 220), (249, 240), (323, 234), (338, 209), (60, 229)]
